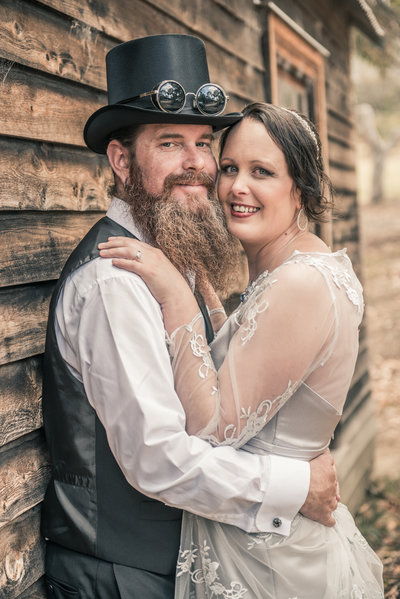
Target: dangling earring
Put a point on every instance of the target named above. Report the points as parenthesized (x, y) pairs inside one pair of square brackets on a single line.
[(302, 226), (126, 185)]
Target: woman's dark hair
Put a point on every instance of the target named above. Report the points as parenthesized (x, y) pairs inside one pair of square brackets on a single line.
[(299, 141)]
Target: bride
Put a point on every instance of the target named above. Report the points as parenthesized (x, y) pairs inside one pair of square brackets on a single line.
[(278, 372)]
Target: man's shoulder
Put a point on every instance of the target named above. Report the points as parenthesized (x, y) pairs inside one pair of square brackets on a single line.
[(100, 272)]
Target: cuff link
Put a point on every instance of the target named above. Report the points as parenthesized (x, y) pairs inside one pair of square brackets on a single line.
[(277, 522)]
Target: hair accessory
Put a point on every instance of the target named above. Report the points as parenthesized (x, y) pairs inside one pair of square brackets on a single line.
[(305, 125)]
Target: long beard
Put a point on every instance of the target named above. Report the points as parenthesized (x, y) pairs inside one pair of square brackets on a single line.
[(193, 236)]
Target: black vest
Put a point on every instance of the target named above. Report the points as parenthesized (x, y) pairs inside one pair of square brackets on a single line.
[(89, 506)]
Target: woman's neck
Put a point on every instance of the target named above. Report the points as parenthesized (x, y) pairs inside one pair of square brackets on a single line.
[(274, 252)]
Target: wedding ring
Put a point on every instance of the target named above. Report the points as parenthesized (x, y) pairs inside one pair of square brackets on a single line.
[(138, 255)]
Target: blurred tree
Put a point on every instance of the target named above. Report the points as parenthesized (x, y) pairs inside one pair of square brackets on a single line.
[(377, 89)]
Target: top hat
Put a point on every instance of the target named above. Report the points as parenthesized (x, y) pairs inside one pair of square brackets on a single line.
[(139, 66)]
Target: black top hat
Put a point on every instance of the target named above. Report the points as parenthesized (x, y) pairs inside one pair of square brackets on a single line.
[(139, 66)]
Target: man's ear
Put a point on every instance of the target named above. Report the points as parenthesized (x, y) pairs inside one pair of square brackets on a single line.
[(118, 155)]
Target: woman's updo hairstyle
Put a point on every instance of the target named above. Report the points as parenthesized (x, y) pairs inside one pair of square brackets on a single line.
[(299, 141)]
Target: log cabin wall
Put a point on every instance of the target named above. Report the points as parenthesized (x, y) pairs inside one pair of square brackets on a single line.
[(52, 189)]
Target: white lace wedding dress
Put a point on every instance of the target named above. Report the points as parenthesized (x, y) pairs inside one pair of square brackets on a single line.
[(276, 382)]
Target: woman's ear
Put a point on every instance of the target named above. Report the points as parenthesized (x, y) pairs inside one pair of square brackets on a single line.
[(118, 156)]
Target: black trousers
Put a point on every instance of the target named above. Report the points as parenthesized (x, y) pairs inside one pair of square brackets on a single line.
[(72, 575)]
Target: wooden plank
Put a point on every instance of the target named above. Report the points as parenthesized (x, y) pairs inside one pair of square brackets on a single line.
[(23, 321), (343, 178), (21, 554), (24, 474), (210, 20), (339, 128), (37, 107), (43, 176), (20, 399), (35, 245), (65, 47), (354, 454)]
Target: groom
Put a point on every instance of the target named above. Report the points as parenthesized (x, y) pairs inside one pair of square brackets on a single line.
[(123, 466)]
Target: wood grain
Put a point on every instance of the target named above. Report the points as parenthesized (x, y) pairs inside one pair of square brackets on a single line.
[(24, 474), (21, 554), (23, 320), (37, 244), (44, 108), (21, 395), (46, 176)]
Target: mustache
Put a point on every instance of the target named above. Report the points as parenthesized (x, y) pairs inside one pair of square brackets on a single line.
[(200, 178)]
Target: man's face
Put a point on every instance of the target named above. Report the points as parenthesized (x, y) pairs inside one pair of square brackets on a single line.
[(163, 149)]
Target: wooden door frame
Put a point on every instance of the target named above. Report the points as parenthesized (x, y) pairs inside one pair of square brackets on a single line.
[(291, 45)]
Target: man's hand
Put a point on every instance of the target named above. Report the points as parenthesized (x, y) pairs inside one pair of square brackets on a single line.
[(323, 495)]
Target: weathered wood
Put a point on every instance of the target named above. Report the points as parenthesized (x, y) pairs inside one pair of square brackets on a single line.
[(21, 554), (23, 321), (354, 454), (44, 176), (37, 244), (341, 155), (39, 107), (24, 474), (210, 20), (343, 178), (20, 399), (338, 127), (65, 46)]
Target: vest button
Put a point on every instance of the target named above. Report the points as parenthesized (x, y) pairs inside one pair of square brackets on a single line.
[(277, 522)]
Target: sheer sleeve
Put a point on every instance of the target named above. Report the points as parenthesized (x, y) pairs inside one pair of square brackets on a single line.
[(286, 329)]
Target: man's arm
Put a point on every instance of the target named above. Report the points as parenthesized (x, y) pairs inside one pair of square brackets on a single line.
[(111, 333)]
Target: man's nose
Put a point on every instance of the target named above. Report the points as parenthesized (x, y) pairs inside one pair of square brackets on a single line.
[(193, 159)]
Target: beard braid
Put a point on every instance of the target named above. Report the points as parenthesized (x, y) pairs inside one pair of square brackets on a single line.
[(193, 236)]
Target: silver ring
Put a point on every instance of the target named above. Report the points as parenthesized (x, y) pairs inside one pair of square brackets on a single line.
[(138, 255)]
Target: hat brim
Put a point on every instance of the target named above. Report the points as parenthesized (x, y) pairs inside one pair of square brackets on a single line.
[(107, 120)]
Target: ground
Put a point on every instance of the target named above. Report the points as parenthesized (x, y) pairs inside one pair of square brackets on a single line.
[(379, 516)]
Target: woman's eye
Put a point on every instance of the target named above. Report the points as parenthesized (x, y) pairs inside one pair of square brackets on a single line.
[(229, 169), (263, 172)]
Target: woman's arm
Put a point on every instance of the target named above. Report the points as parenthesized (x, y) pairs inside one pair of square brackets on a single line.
[(282, 335)]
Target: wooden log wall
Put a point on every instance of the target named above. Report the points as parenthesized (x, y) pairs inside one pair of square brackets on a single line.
[(52, 189)]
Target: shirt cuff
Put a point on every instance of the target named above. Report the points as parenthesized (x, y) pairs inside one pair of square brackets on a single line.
[(288, 485)]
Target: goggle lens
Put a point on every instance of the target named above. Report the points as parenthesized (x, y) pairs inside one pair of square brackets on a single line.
[(211, 99), (171, 96)]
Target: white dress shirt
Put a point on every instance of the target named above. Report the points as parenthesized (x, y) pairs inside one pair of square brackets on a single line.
[(110, 332)]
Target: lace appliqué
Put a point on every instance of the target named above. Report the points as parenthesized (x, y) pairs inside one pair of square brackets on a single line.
[(255, 420), (342, 277), (251, 305), (207, 572), (200, 349)]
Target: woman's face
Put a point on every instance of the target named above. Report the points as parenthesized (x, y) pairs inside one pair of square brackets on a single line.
[(254, 186)]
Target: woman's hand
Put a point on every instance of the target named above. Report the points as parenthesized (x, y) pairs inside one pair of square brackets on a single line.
[(164, 281)]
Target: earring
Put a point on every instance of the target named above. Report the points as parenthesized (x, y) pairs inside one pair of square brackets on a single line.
[(302, 226), (126, 184)]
